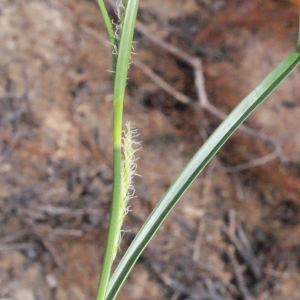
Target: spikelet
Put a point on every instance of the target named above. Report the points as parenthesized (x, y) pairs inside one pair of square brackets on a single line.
[(120, 12), (129, 168)]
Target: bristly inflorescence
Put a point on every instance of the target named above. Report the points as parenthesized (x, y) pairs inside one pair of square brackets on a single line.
[(129, 168), (120, 12)]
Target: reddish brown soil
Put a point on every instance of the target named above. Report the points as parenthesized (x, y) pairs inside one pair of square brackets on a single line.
[(56, 152)]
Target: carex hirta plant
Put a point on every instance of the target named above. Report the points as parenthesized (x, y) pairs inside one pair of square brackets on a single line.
[(124, 147)]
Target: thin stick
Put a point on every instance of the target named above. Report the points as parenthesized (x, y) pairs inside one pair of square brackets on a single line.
[(46, 243), (199, 80), (16, 246), (161, 83), (198, 240), (177, 286), (253, 163), (239, 275), (242, 245)]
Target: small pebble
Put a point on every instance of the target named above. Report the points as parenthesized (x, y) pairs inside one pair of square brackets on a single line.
[(51, 280)]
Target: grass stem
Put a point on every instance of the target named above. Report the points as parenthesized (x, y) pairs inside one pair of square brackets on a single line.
[(120, 80)]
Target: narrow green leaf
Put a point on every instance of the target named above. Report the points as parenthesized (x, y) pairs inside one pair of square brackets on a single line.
[(195, 166), (110, 32), (107, 21)]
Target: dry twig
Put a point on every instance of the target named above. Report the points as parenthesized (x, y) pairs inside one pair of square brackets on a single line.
[(199, 80), (46, 243), (239, 275), (16, 246), (238, 238), (253, 163), (160, 82), (179, 288), (56, 211)]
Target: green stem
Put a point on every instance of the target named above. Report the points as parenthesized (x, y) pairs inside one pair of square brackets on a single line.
[(113, 230), (119, 92)]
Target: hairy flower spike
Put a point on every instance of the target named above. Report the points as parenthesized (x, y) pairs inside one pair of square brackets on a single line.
[(120, 12), (128, 172)]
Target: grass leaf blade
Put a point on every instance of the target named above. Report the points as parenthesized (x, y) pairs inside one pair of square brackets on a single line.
[(110, 31), (195, 166)]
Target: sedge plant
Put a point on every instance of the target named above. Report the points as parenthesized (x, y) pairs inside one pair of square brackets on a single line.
[(124, 167)]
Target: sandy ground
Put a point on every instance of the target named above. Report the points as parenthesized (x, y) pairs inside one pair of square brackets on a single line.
[(234, 235)]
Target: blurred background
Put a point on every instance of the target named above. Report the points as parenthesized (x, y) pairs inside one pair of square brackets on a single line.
[(236, 232)]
